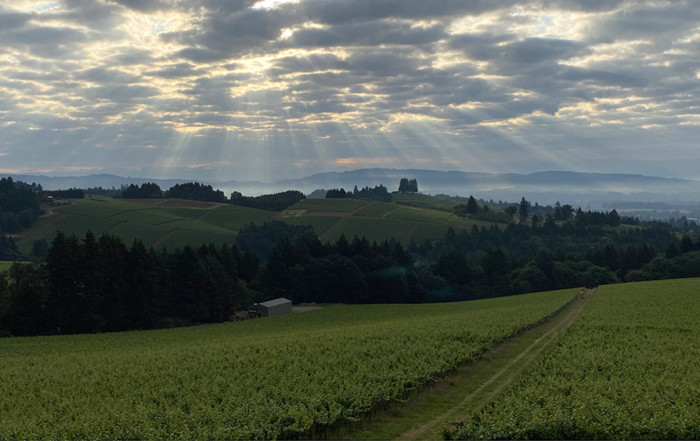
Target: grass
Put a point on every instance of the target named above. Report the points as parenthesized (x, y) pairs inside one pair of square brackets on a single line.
[(174, 223), (5, 265), (423, 201), (167, 223), (378, 221), (330, 205)]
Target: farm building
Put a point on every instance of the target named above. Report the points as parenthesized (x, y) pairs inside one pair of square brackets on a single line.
[(274, 307)]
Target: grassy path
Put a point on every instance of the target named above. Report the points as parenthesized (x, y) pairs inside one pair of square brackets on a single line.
[(467, 390)]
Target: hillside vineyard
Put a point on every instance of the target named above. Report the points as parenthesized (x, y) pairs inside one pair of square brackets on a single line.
[(626, 370), (281, 377)]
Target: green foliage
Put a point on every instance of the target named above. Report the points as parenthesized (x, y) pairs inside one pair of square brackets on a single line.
[(627, 369), (19, 207), (93, 285), (408, 185), (196, 192), (273, 202), (276, 378), (377, 193), (472, 210), (145, 191)]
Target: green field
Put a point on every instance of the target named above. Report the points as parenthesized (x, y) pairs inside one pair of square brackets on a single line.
[(159, 222), (174, 223), (423, 201), (627, 369), (412, 218), (279, 377)]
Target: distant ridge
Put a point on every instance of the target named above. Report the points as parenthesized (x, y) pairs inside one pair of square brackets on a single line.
[(545, 187)]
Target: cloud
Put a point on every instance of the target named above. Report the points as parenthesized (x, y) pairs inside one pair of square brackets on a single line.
[(372, 33), (301, 84)]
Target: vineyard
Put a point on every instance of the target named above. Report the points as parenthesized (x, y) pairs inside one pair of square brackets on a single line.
[(627, 369), (280, 377)]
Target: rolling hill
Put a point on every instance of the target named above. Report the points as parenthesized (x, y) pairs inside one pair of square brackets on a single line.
[(174, 223)]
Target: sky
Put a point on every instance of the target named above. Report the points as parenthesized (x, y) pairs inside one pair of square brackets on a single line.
[(271, 89)]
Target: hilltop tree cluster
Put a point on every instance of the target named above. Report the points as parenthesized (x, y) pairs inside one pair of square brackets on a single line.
[(377, 193), (271, 202), (408, 185), (206, 193)]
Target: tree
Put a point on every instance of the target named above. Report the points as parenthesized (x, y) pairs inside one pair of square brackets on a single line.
[(524, 209), (472, 206), (408, 185)]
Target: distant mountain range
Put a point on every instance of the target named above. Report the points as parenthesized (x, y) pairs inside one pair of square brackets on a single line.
[(585, 189)]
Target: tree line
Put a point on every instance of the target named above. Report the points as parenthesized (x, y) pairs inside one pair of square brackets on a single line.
[(100, 284), (191, 190), (19, 205), (376, 193)]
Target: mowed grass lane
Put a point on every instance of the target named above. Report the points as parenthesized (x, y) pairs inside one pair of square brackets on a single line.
[(278, 377)]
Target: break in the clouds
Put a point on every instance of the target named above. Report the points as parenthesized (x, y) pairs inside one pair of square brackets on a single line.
[(246, 89)]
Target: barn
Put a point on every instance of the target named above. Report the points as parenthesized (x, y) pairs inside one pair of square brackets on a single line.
[(274, 307)]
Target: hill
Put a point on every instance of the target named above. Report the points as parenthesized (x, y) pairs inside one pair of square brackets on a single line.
[(174, 223), (157, 222), (410, 218), (593, 190)]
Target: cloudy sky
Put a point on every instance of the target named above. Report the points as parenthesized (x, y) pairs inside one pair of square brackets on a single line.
[(259, 90)]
